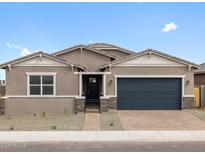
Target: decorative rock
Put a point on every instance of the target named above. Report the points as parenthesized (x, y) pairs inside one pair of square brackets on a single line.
[(79, 105), (188, 103)]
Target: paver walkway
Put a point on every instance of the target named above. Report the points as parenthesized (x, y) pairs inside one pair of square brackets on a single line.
[(92, 121)]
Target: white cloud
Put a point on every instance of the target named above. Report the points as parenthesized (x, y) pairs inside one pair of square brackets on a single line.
[(169, 27), (8, 45), (91, 41), (23, 51)]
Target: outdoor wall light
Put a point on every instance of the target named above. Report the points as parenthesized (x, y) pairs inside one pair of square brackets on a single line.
[(110, 82)]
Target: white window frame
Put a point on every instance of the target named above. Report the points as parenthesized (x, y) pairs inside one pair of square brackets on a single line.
[(41, 74)]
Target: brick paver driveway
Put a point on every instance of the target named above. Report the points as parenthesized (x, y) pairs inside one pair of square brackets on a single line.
[(160, 120)]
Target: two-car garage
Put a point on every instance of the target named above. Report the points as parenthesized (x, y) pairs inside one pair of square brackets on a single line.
[(149, 93)]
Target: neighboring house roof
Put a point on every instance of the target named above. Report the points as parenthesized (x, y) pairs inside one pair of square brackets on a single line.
[(110, 46), (82, 47), (40, 53), (201, 70), (152, 51)]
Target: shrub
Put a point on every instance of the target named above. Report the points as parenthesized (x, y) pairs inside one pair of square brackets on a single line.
[(12, 127), (53, 127), (65, 111), (111, 124), (43, 115)]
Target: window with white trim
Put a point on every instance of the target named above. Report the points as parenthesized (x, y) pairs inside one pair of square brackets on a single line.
[(41, 85)]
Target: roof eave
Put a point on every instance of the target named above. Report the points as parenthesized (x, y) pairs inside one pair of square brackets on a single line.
[(156, 52), (66, 50), (5, 65), (2, 66), (201, 72)]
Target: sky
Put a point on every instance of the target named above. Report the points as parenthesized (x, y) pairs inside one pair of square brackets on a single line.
[(174, 28)]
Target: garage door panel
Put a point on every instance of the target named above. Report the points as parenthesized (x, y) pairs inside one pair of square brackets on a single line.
[(148, 101), (150, 92), (154, 106), (139, 93)]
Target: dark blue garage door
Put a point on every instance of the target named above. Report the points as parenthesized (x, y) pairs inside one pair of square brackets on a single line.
[(149, 93)]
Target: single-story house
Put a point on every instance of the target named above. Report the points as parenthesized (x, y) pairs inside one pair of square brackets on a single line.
[(108, 75), (199, 82)]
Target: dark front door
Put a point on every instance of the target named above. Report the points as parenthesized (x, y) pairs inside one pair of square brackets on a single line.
[(92, 88), (92, 91)]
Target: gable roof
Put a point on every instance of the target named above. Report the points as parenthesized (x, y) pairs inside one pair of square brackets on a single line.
[(81, 46), (152, 51), (110, 46), (40, 53)]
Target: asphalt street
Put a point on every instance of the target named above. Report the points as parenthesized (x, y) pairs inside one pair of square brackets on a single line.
[(124, 146)]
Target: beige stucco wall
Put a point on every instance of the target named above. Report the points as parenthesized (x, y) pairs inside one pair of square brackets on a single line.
[(139, 70), (91, 60), (118, 54), (39, 105), (66, 80)]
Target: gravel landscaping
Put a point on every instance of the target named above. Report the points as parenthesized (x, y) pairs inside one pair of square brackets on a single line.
[(110, 121), (198, 112), (42, 122)]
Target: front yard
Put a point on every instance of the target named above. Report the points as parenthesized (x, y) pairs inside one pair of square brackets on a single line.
[(189, 119), (110, 121), (42, 122)]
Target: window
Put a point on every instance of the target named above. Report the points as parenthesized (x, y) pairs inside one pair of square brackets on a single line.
[(35, 85), (41, 85), (47, 85)]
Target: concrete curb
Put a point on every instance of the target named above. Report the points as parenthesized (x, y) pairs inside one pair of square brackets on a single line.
[(140, 136)]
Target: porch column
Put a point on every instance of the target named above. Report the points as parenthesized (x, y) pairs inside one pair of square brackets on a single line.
[(104, 85), (80, 85)]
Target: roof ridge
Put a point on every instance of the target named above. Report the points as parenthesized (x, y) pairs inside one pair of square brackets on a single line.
[(101, 51), (83, 46), (70, 48), (114, 46), (105, 53)]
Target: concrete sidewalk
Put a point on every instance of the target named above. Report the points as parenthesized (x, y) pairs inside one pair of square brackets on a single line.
[(140, 136)]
